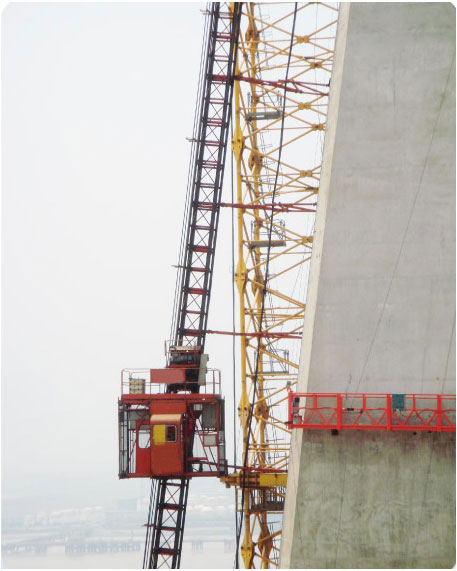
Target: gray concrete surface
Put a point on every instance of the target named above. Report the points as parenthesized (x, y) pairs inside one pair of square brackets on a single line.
[(373, 500), (381, 298)]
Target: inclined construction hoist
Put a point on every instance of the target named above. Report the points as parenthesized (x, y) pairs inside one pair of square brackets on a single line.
[(171, 420)]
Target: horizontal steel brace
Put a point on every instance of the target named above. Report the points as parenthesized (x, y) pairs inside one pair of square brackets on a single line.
[(255, 479)]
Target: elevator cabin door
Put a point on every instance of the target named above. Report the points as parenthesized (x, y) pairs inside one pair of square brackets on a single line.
[(143, 449), (167, 448)]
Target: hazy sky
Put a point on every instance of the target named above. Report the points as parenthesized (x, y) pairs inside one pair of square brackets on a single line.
[(97, 102)]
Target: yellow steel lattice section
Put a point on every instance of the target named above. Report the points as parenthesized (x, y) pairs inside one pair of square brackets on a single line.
[(275, 260)]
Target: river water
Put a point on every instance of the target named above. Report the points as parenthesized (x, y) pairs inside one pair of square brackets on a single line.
[(213, 555)]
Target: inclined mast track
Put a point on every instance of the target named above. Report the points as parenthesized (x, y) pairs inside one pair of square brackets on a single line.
[(171, 421)]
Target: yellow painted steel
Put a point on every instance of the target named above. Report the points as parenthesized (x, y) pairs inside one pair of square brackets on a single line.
[(256, 480), (269, 364), (158, 434)]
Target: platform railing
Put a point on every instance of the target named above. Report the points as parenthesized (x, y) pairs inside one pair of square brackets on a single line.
[(372, 411), (138, 381)]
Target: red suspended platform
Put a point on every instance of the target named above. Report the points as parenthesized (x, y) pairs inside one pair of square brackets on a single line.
[(372, 411)]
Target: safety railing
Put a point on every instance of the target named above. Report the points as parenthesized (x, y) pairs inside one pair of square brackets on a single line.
[(138, 381), (372, 411)]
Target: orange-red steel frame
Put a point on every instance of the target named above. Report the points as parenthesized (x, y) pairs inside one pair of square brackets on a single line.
[(372, 411)]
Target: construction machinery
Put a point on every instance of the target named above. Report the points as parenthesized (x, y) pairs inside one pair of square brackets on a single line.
[(270, 65), (171, 420), (283, 73)]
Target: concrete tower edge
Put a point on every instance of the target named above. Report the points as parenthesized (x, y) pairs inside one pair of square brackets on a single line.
[(313, 284)]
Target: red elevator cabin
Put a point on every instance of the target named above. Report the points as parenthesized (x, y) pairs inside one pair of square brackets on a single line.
[(167, 428)]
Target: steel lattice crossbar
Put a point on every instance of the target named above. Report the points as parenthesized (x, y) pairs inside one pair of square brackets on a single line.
[(372, 411)]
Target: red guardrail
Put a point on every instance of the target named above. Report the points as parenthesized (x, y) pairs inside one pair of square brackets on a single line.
[(138, 381), (372, 411)]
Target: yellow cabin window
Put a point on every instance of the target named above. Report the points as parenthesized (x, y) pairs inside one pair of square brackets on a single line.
[(163, 433)]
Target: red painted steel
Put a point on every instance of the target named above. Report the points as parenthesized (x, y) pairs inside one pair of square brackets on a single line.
[(269, 334), (167, 376), (156, 381), (274, 207), (198, 449), (167, 457), (372, 411), (297, 86)]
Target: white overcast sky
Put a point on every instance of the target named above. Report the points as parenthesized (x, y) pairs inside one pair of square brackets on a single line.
[(97, 102)]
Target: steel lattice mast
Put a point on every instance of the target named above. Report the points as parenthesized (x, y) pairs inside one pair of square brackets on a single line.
[(280, 102), (167, 511)]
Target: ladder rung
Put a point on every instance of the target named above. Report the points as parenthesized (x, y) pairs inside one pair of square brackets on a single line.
[(196, 290), (223, 36), (168, 528), (167, 506), (165, 551), (191, 332)]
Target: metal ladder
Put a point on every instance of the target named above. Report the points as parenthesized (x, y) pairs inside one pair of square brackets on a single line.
[(165, 527)]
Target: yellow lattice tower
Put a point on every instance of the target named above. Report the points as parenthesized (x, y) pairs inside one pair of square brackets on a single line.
[(277, 186)]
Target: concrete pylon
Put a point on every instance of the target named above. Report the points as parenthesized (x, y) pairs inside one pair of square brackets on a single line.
[(380, 313)]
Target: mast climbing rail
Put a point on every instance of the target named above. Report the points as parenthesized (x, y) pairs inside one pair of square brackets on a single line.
[(209, 145), (167, 512)]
